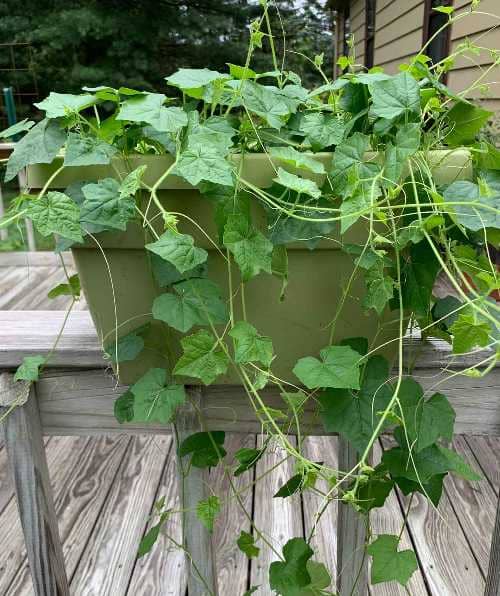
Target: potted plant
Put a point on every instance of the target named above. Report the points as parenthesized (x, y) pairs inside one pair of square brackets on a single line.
[(246, 230)]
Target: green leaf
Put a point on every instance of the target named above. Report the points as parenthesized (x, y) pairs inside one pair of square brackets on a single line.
[(29, 369), (291, 229), (484, 213), (195, 302), (207, 511), (249, 346), (468, 333), (266, 102), (124, 407), (241, 72), (374, 492), (356, 415), (247, 459), (149, 539), (465, 120), (203, 358), (290, 487), (297, 184), (407, 144), (199, 163), (206, 448), (419, 275), (40, 145), (425, 420), (432, 490), (322, 130), (246, 544), (179, 250), (127, 348), (154, 400), (395, 96), (389, 564), (302, 161), (250, 248), (104, 206), (166, 274), (423, 465), (348, 162), (87, 151), (379, 289), (338, 367), (193, 80), (148, 107), (287, 576), (72, 288), (58, 105), (132, 182), (16, 128), (444, 9), (56, 213)]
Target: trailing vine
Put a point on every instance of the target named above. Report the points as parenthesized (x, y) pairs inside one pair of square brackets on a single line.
[(354, 165)]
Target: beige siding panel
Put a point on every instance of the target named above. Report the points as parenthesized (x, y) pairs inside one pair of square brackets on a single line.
[(405, 46), (401, 28), (475, 23), (458, 80), (490, 39), (358, 22), (382, 4), (395, 11), (461, 3), (357, 7), (392, 67)]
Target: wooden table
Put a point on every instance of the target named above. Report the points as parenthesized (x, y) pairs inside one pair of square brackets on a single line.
[(75, 397)]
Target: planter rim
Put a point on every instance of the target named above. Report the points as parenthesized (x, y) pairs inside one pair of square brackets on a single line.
[(257, 168)]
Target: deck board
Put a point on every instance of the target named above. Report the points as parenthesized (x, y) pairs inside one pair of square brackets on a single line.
[(105, 488)]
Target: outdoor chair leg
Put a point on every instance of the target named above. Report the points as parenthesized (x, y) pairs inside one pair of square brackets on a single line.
[(352, 565), (28, 464), (202, 578), (493, 579)]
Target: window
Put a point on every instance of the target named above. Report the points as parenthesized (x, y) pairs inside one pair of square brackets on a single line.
[(433, 21), (371, 9)]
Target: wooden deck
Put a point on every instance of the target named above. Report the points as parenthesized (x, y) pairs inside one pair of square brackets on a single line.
[(105, 489)]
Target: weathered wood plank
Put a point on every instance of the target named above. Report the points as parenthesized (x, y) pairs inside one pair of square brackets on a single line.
[(474, 504), (447, 561), (352, 564), (37, 258), (493, 579), (28, 464), (232, 565), (197, 540), (279, 519), (82, 403), (107, 562), (81, 477), (63, 454), (163, 572), (389, 520), (487, 452), (324, 542)]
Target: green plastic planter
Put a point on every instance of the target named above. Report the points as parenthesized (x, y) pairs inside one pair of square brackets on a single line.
[(298, 325)]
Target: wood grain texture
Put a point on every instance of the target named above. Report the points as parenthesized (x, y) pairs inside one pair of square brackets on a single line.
[(163, 572), (63, 455), (81, 402), (492, 587), (352, 564), (445, 557), (487, 452), (474, 504), (232, 564), (197, 540), (39, 258), (280, 519), (389, 520), (324, 542), (92, 467), (107, 561), (28, 464)]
